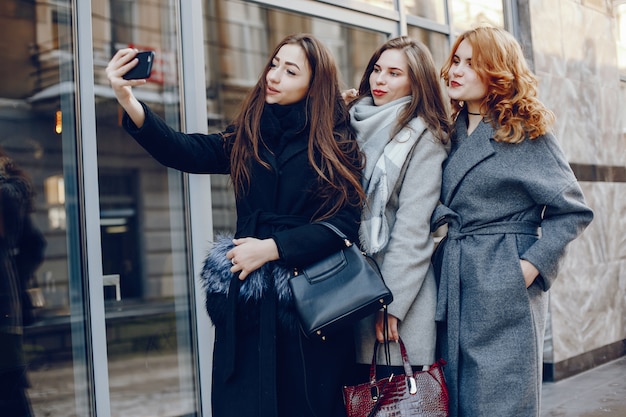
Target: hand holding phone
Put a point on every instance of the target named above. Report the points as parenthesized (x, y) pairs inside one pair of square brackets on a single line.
[(143, 68)]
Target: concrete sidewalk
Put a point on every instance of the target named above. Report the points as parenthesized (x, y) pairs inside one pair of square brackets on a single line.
[(600, 391), (149, 386)]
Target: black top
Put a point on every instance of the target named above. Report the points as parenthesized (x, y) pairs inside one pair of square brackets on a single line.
[(281, 201)]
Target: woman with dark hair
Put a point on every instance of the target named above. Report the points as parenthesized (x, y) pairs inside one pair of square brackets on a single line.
[(402, 128), (293, 160), (21, 252), (512, 204)]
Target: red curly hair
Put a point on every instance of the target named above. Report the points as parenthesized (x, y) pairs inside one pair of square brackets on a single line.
[(511, 102)]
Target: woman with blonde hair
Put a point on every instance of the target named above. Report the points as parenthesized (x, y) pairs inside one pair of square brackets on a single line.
[(512, 204)]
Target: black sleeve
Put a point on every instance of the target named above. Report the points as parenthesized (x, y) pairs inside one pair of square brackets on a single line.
[(31, 245), (196, 153), (311, 242)]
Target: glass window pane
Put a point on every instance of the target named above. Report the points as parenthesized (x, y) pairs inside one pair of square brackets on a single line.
[(385, 4), (240, 35), (147, 282), (429, 9), (466, 14), (436, 43), (43, 342)]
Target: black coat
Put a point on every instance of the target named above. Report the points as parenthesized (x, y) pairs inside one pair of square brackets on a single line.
[(277, 372)]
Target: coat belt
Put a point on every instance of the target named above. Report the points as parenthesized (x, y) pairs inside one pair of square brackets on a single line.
[(450, 278), (449, 292)]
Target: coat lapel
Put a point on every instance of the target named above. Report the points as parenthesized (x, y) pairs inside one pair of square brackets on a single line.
[(470, 152)]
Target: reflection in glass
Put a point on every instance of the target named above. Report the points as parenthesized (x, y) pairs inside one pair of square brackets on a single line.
[(37, 131), (430, 9), (437, 43), (385, 4), (22, 247), (467, 14), (147, 283)]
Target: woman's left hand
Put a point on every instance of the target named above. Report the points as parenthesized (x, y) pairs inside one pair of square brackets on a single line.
[(249, 254), (529, 271)]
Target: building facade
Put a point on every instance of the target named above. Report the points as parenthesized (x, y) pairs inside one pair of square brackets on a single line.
[(119, 325)]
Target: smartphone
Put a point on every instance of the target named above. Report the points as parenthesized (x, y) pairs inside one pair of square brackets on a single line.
[(143, 68)]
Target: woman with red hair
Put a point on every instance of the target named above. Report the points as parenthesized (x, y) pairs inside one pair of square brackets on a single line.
[(512, 204)]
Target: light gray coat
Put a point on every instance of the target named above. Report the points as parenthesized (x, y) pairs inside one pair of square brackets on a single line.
[(405, 261), (502, 203)]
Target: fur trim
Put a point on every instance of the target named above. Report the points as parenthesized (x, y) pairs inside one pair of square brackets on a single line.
[(216, 278)]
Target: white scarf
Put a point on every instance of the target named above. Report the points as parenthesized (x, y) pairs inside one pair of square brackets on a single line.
[(385, 157)]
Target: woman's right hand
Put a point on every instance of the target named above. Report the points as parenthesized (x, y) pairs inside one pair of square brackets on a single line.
[(349, 95), (120, 64), (249, 254), (392, 331)]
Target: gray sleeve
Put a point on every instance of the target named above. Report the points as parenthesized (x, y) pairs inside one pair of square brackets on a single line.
[(407, 256)]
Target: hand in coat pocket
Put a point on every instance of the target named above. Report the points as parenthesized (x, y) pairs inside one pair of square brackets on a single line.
[(529, 271)]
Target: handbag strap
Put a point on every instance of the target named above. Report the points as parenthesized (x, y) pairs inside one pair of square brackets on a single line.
[(382, 393), (435, 368), (379, 400), (337, 231), (385, 346), (408, 369)]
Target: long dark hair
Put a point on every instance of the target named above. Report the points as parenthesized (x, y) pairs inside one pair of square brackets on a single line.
[(332, 151), (16, 196), (426, 92), (21, 182)]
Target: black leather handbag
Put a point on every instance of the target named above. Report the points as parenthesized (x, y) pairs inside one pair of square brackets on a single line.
[(338, 290)]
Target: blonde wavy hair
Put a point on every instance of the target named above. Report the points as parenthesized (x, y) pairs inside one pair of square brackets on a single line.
[(511, 103)]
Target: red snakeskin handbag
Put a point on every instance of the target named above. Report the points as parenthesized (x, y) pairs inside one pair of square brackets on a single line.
[(420, 393)]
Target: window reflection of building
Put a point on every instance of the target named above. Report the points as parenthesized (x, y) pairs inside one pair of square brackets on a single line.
[(49, 50), (123, 22), (54, 188), (466, 14), (437, 43), (37, 38), (385, 4), (434, 10)]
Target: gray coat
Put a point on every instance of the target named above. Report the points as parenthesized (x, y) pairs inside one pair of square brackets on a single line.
[(502, 203), (405, 261)]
